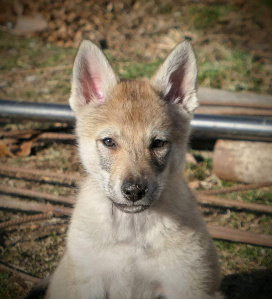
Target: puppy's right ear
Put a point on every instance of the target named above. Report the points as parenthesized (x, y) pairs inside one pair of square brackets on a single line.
[(93, 77)]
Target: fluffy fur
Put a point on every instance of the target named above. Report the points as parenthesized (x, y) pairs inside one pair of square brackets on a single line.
[(154, 243)]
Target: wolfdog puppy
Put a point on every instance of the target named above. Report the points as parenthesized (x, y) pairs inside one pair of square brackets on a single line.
[(136, 231)]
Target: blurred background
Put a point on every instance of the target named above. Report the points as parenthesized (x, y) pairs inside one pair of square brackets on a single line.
[(38, 41), (232, 40)]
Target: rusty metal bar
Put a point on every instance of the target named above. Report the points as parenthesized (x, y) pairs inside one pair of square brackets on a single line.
[(12, 203), (234, 203), (45, 175), (201, 198), (19, 134), (36, 194), (57, 136), (27, 134), (25, 219), (215, 231), (238, 188), (235, 235), (19, 273)]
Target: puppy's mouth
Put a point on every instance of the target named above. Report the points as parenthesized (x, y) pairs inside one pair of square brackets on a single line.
[(131, 209)]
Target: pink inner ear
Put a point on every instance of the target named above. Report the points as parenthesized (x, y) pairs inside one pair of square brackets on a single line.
[(177, 88), (91, 85), (96, 83)]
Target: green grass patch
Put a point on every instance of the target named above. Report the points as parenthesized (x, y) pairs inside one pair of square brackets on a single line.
[(253, 196), (18, 52), (230, 69), (199, 171), (4, 284), (10, 288), (236, 253), (206, 16), (138, 69), (267, 3)]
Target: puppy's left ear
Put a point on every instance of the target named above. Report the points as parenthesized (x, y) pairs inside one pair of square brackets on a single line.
[(176, 78), (93, 77)]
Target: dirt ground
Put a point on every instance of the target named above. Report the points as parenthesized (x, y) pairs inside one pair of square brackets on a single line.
[(233, 42)]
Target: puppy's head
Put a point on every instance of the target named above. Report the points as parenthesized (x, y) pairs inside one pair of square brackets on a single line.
[(133, 135)]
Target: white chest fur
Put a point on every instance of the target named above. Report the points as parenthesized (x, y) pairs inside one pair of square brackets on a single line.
[(129, 255)]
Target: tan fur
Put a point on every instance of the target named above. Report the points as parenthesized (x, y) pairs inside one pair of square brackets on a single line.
[(155, 245)]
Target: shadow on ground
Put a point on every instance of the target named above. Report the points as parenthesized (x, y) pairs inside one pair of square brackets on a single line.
[(249, 285)]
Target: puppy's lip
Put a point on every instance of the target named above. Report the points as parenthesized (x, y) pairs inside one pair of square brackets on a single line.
[(136, 208)]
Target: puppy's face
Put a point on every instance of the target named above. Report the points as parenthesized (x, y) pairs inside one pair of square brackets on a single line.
[(131, 143), (133, 134)]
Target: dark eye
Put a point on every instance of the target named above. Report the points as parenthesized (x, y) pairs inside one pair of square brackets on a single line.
[(109, 142), (157, 143)]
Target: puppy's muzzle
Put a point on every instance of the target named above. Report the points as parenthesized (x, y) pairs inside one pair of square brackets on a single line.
[(134, 190)]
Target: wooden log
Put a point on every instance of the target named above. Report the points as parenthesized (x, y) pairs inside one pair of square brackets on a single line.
[(243, 161), (234, 203), (237, 188), (236, 235)]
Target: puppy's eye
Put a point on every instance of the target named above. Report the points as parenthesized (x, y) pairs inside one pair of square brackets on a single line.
[(109, 142), (157, 143)]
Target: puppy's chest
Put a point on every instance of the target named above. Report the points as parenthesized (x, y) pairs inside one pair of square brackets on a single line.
[(126, 256), (132, 271), (127, 250)]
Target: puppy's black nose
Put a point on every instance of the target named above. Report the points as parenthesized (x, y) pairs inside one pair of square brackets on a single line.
[(134, 190)]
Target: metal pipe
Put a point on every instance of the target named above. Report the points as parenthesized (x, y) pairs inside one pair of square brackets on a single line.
[(215, 126), (203, 126), (36, 111)]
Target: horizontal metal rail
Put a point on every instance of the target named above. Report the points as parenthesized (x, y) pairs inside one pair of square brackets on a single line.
[(203, 126), (215, 126), (36, 111)]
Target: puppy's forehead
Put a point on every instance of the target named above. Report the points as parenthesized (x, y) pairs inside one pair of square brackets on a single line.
[(134, 108), (136, 103)]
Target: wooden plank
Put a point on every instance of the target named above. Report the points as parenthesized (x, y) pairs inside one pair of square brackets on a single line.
[(236, 188), (210, 96), (234, 203), (236, 235), (233, 111)]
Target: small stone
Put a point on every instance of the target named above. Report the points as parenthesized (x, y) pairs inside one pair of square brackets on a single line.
[(13, 52), (3, 84), (29, 24), (31, 78)]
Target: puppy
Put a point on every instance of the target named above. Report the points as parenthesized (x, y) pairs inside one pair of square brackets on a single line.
[(136, 231)]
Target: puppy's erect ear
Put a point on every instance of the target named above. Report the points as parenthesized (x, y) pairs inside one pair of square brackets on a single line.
[(176, 78), (93, 77)]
